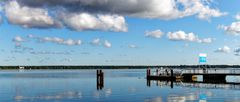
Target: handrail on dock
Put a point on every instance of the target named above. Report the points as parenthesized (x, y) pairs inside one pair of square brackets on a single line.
[(166, 71), (211, 71)]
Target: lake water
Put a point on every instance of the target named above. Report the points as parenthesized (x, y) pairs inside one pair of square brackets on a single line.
[(124, 85)]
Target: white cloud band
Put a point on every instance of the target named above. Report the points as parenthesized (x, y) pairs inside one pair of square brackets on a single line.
[(154, 34), (224, 49)]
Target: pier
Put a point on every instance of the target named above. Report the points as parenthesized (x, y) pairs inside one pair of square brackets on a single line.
[(211, 78), (208, 75)]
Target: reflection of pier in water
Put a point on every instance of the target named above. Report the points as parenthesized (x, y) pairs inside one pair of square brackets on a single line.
[(195, 84)]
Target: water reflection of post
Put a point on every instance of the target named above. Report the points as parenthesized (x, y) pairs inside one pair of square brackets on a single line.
[(148, 83), (148, 74), (100, 79), (171, 83)]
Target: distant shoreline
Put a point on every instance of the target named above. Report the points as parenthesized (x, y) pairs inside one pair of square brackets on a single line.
[(117, 67)]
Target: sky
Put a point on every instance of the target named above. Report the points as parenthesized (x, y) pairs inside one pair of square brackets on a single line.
[(119, 32)]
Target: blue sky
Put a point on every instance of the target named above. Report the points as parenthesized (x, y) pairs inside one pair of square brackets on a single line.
[(151, 35)]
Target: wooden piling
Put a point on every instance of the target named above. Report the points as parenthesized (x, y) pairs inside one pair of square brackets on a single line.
[(172, 78), (100, 79), (147, 73)]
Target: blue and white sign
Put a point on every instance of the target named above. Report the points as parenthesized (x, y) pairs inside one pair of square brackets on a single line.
[(202, 58)]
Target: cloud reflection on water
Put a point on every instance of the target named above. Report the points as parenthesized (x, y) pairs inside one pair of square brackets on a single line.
[(156, 99), (103, 93), (58, 96)]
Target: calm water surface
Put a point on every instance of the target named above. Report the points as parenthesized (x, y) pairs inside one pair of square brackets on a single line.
[(124, 85)]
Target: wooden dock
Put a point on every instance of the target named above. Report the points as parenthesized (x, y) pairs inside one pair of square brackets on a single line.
[(169, 74)]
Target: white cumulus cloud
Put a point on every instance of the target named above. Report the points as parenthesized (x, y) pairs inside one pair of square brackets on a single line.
[(107, 44), (224, 49), (86, 21), (30, 36), (200, 8), (70, 42), (61, 41), (183, 36), (237, 17), (101, 42), (50, 52), (232, 29), (155, 34), (161, 9), (28, 17), (96, 42), (207, 40), (106, 15), (18, 39), (132, 46)]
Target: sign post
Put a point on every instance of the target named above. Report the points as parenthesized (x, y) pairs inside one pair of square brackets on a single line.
[(203, 61), (202, 58)]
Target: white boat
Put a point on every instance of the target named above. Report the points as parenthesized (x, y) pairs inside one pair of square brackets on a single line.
[(21, 67)]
